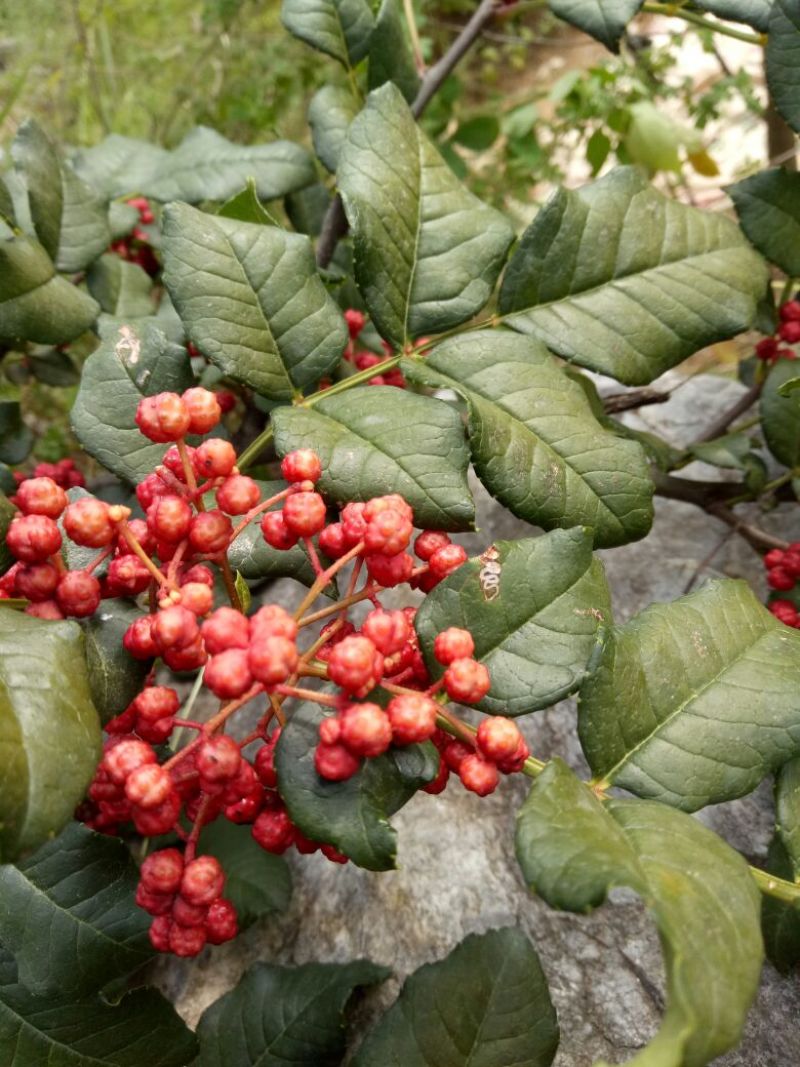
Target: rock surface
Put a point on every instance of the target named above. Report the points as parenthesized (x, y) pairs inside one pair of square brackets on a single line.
[(457, 872)]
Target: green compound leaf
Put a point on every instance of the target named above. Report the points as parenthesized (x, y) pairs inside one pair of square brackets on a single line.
[(115, 677), (378, 439), (768, 206), (330, 113), (36, 304), (339, 28), (68, 914), (627, 282), (391, 58), (65, 1032), (605, 20), (257, 882), (535, 442), (780, 413), (486, 1004), (133, 362), (70, 219), (353, 815), (49, 729), (251, 300), (754, 13), (122, 289), (284, 1016), (426, 251), (783, 59), (573, 850), (695, 701), (537, 630)]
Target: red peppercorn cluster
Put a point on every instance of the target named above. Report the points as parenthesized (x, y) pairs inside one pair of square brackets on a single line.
[(783, 574), (356, 321), (136, 247), (63, 473), (769, 349)]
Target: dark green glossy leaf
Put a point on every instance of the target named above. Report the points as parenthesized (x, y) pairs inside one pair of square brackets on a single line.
[(537, 629), (783, 59), (115, 677), (251, 300), (573, 850), (625, 281), (378, 439), (768, 206), (340, 28), (353, 815), (62, 1032), (121, 288), (391, 58), (49, 729), (754, 13), (284, 1016), (330, 113), (605, 20), (16, 439), (427, 252), (485, 1004), (135, 361), (255, 881), (780, 414), (695, 701), (536, 445), (68, 914), (36, 304)]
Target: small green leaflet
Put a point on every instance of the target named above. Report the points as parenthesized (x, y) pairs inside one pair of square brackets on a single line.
[(768, 206), (391, 58), (605, 20), (330, 113), (121, 288), (779, 407), (340, 28)]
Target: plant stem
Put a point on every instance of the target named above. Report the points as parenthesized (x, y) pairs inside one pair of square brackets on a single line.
[(325, 578), (230, 582), (136, 548), (674, 11), (743, 404), (772, 886), (408, 7), (255, 448)]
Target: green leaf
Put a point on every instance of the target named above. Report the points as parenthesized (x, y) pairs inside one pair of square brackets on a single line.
[(427, 252), (486, 1004), (730, 451), (36, 304), (780, 922), (378, 439), (136, 361), (695, 701), (7, 513), (391, 58), (246, 207), (783, 70), (70, 219), (122, 219), (330, 113), (121, 288), (768, 206), (251, 300), (625, 281), (780, 414), (535, 443), (352, 815), (478, 133), (605, 20), (339, 28), (63, 1032), (16, 439), (284, 1016), (53, 367), (255, 881), (254, 559), (68, 914), (119, 166), (754, 13), (49, 729), (598, 148), (115, 677), (573, 850), (787, 812), (653, 138), (537, 630)]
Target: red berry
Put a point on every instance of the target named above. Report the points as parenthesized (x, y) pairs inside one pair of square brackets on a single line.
[(150, 489), (354, 525), (125, 757), (439, 783), (332, 540), (335, 763), (202, 881), (478, 775), (148, 786), (221, 923), (215, 458), (204, 410), (388, 630), (498, 738), (330, 730), (778, 578), (41, 496), (210, 532), (452, 644), (36, 581), (773, 558), (238, 494), (245, 809), (78, 594), (515, 762), (365, 729), (272, 659), (45, 609), (189, 914), (186, 941), (218, 758), (87, 522), (138, 639), (151, 902), (32, 538), (186, 657), (790, 311), (173, 461), (163, 417), (301, 466), (159, 933), (389, 571), (169, 518), (445, 560), (175, 627), (790, 332), (355, 664), (197, 597), (791, 563), (767, 349), (265, 765), (355, 320), (466, 681), (198, 574), (333, 854), (225, 628), (276, 533), (428, 542), (388, 533), (162, 871), (227, 674), (273, 831), (412, 718), (127, 576), (226, 400), (454, 753), (304, 514)]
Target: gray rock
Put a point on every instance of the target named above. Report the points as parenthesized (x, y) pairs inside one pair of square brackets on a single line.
[(457, 872)]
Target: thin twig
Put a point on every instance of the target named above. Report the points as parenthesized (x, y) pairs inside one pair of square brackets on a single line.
[(636, 398), (743, 404), (408, 7)]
